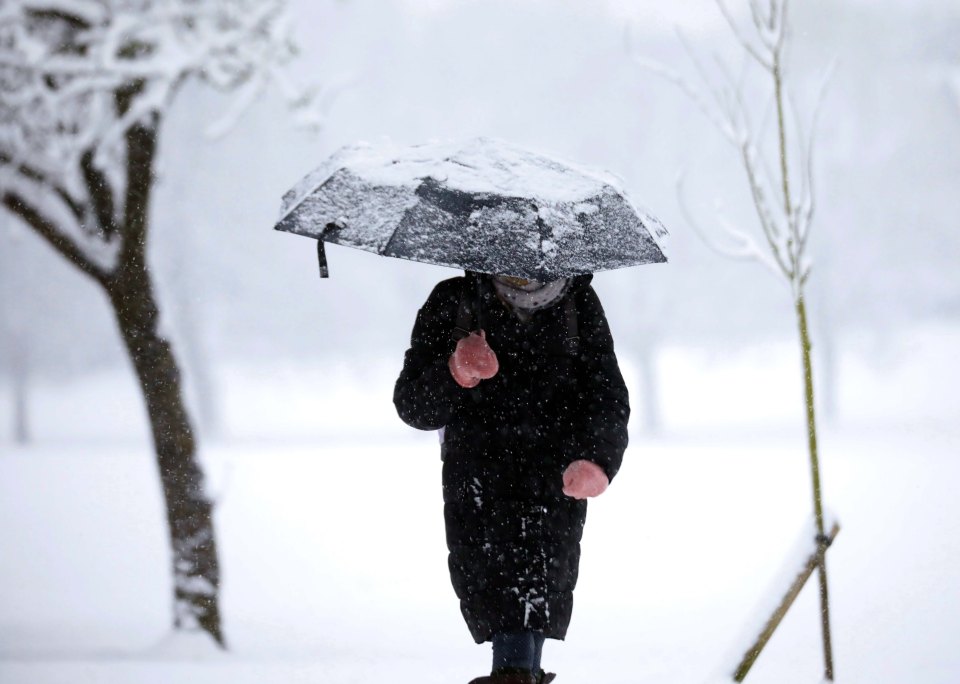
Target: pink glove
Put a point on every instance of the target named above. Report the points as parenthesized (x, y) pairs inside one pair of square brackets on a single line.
[(473, 360), (583, 478)]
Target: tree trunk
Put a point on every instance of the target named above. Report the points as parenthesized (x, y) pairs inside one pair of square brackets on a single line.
[(196, 571), (822, 539)]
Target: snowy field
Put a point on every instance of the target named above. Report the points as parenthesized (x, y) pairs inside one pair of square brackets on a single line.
[(331, 534)]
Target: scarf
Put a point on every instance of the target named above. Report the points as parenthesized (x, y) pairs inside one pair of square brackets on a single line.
[(523, 300)]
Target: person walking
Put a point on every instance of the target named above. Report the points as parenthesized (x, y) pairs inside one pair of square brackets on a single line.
[(521, 379)]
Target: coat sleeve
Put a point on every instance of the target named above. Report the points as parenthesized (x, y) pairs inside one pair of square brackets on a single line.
[(601, 435), (425, 394)]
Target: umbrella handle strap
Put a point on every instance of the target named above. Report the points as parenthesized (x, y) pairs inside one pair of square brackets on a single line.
[(322, 259)]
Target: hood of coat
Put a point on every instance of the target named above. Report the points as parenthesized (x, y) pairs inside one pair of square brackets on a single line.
[(525, 300)]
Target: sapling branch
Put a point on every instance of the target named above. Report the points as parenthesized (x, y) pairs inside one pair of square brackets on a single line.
[(748, 47)]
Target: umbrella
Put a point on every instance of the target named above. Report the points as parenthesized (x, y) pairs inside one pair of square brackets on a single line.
[(483, 205)]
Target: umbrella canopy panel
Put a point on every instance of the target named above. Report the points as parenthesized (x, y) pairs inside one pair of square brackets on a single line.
[(484, 206)]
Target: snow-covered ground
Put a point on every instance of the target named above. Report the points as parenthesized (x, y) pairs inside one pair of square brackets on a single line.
[(331, 535)]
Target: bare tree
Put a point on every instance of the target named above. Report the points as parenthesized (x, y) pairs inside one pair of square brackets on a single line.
[(85, 87), (780, 179)]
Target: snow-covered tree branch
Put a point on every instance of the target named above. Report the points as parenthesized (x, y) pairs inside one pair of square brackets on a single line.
[(784, 220), (66, 64)]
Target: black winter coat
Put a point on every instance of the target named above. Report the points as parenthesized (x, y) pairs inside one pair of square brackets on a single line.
[(513, 536)]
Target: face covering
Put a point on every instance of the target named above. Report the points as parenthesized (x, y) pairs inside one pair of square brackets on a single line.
[(526, 296)]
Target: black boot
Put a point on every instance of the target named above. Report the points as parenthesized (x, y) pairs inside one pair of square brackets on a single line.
[(516, 678)]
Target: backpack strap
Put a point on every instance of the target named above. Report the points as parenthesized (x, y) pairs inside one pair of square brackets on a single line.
[(464, 317), (465, 320), (572, 342)]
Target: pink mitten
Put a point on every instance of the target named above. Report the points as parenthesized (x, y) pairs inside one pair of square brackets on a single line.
[(583, 479), (473, 360)]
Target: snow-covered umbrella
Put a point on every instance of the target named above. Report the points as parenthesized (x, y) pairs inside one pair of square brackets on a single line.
[(483, 205)]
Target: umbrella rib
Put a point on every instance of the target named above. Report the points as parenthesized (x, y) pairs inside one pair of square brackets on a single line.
[(541, 229), (389, 242)]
